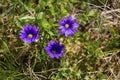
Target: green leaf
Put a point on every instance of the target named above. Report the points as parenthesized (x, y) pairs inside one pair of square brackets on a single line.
[(45, 24), (26, 17), (92, 12), (40, 15), (17, 22), (74, 1)]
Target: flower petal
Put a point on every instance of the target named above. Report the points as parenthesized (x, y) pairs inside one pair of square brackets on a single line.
[(54, 46), (51, 55), (29, 30), (30, 27), (72, 26), (29, 41), (62, 27)]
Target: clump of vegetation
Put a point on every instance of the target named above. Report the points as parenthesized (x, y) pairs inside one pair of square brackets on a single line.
[(59, 39)]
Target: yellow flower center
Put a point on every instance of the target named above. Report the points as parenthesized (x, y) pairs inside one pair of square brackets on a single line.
[(30, 35), (67, 25)]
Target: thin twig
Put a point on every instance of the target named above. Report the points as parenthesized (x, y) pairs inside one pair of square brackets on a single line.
[(110, 11)]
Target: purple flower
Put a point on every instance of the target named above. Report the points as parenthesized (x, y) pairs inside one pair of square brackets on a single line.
[(68, 26), (54, 49), (29, 34)]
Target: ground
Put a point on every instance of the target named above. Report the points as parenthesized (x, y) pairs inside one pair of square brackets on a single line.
[(92, 53)]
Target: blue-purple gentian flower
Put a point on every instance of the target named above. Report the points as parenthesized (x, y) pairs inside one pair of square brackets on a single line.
[(68, 26), (29, 33), (54, 49)]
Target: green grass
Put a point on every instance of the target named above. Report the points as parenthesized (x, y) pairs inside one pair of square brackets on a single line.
[(93, 53)]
